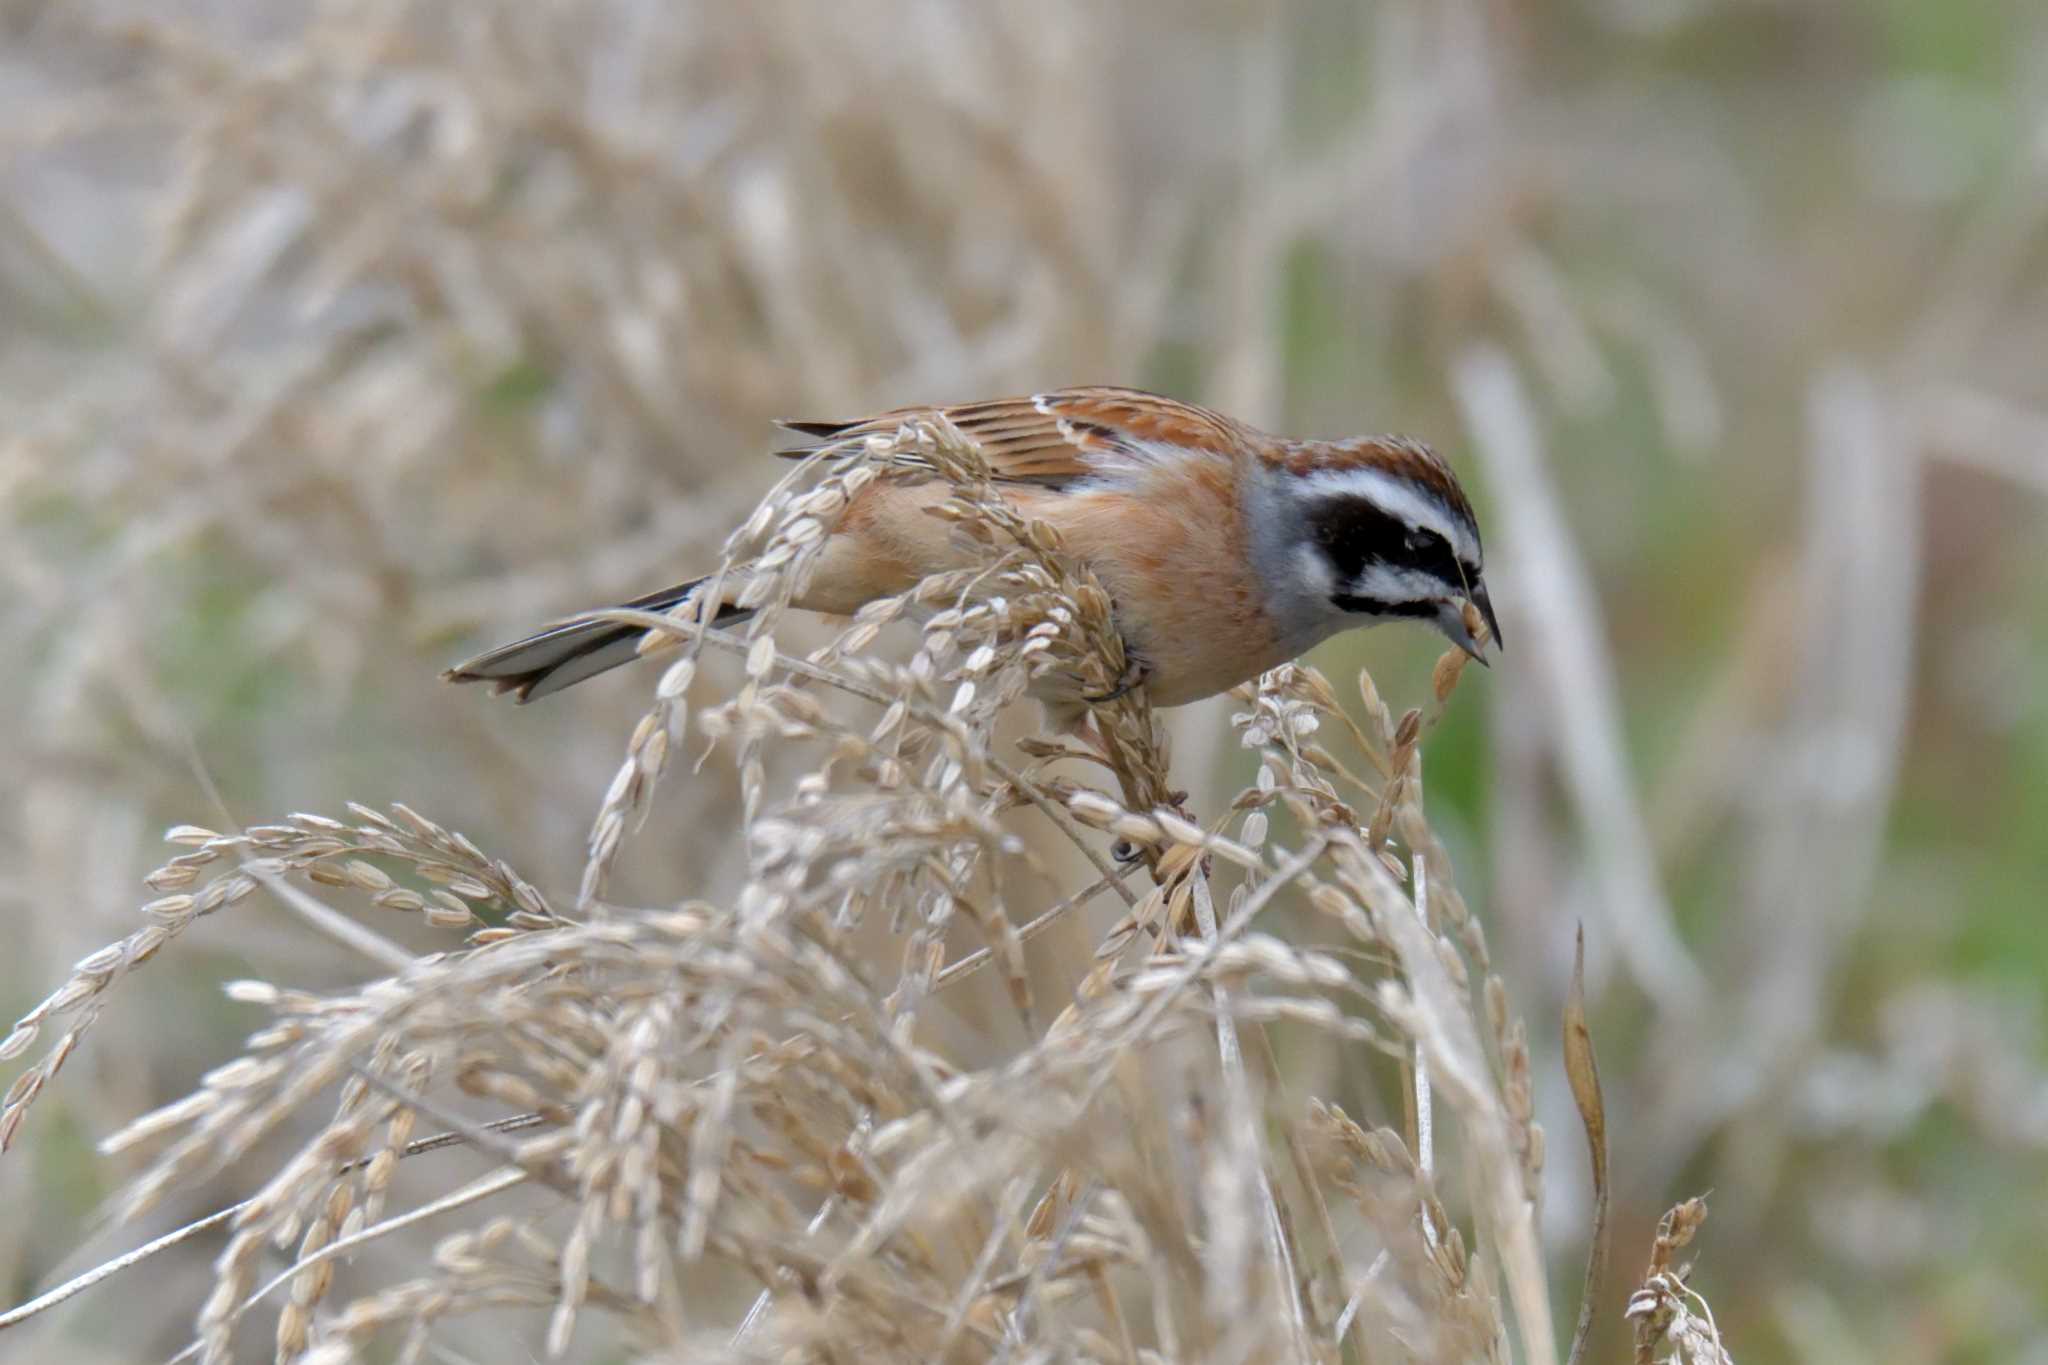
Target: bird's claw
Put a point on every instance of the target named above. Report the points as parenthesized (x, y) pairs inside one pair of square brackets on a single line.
[(1136, 671)]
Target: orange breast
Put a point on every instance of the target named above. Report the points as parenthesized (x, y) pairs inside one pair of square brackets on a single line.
[(1170, 550), (1172, 554)]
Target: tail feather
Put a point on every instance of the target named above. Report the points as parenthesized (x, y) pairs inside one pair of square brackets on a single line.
[(817, 428), (562, 656)]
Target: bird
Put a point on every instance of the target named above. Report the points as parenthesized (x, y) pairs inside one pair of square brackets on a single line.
[(1225, 551)]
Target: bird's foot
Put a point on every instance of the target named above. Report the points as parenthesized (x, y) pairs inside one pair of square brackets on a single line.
[(1136, 671)]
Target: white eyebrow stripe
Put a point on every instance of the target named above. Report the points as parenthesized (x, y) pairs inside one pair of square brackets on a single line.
[(1398, 497)]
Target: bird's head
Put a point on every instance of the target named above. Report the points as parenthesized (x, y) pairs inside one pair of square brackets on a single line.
[(1353, 532)]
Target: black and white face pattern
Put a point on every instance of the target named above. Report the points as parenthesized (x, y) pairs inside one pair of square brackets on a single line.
[(1391, 547)]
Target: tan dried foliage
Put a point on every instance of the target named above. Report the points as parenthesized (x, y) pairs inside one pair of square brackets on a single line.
[(1673, 1324), (740, 1090)]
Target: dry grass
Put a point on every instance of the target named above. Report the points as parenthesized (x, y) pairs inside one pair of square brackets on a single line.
[(338, 337), (738, 1090)]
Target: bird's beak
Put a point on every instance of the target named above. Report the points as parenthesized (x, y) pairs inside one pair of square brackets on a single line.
[(1485, 605), (1450, 619)]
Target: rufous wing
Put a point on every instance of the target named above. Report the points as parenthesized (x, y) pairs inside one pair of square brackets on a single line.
[(1058, 438)]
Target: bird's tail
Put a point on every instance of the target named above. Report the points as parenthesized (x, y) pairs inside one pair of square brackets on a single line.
[(562, 656)]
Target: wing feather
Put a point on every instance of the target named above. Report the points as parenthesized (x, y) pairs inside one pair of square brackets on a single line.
[(1060, 438)]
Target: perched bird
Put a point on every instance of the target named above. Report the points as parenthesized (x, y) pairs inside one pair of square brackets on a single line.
[(1225, 551)]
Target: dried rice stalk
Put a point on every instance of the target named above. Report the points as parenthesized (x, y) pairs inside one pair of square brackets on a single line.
[(741, 1090)]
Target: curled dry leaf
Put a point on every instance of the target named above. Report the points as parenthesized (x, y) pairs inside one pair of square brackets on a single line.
[(1582, 1069)]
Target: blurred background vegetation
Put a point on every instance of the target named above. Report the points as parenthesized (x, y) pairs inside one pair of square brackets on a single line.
[(336, 338)]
